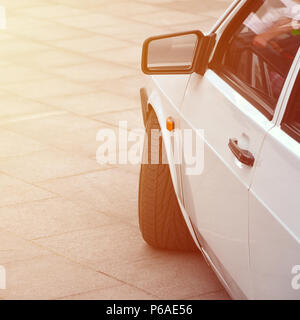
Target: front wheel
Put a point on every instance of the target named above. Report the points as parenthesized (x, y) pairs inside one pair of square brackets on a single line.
[(160, 219)]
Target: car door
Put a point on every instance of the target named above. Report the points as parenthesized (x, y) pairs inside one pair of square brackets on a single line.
[(275, 207), (234, 106)]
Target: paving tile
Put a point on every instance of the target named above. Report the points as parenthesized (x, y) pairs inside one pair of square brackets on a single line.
[(168, 17), (47, 164), (45, 31), (158, 1), (172, 276), (13, 106), (94, 72), (44, 218), (47, 59), (135, 32), (12, 144), (93, 103), (50, 11), (99, 190), (94, 247), (130, 56), (14, 191), (164, 274), (6, 36), (128, 86), (91, 20), (50, 277), (133, 118), (47, 88), (116, 293), (13, 248), (87, 4), (203, 25), (203, 7), (90, 44), (17, 46), (13, 73), (127, 9), (218, 295), (11, 4), (18, 23), (65, 131), (55, 32)]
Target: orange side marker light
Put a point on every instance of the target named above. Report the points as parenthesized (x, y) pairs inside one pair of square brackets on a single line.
[(170, 124)]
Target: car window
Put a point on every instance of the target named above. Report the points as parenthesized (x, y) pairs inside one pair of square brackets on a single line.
[(260, 49), (291, 119)]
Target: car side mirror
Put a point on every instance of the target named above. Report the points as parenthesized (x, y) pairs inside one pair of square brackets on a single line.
[(177, 53)]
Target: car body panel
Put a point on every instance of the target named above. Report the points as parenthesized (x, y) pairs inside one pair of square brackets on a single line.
[(275, 210), (274, 218), (164, 107), (244, 220), (212, 105)]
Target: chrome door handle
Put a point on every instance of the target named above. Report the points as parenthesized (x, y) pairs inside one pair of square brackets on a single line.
[(244, 156)]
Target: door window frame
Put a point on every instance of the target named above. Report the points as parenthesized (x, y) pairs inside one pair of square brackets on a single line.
[(286, 124), (216, 65)]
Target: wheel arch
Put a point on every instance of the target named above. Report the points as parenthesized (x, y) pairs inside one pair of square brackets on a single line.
[(154, 102)]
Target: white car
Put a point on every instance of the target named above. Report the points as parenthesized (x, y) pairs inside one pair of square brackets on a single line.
[(237, 89)]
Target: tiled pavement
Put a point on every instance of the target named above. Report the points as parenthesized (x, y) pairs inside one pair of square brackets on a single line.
[(68, 226)]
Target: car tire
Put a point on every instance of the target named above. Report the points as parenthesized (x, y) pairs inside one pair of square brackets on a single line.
[(160, 219)]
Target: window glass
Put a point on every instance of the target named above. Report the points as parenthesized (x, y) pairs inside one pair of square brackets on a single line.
[(274, 80), (257, 74), (291, 120), (242, 68), (260, 51)]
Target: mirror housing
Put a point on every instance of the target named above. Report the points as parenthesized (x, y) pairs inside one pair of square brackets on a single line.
[(177, 53)]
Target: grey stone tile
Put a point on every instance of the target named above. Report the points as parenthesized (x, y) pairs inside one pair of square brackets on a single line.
[(14, 107), (16, 46), (128, 86), (13, 74), (14, 191), (50, 277), (13, 248), (203, 7), (90, 20), (87, 4), (218, 295), (127, 9), (47, 88), (65, 131), (168, 17), (49, 217), (116, 293), (94, 72), (134, 32), (102, 248), (112, 191), (164, 274), (172, 276), (47, 164), (93, 103), (47, 59), (129, 56), (12, 4), (49, 31), (133, 118), (50, 11), (90, 44), (12, 144)]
